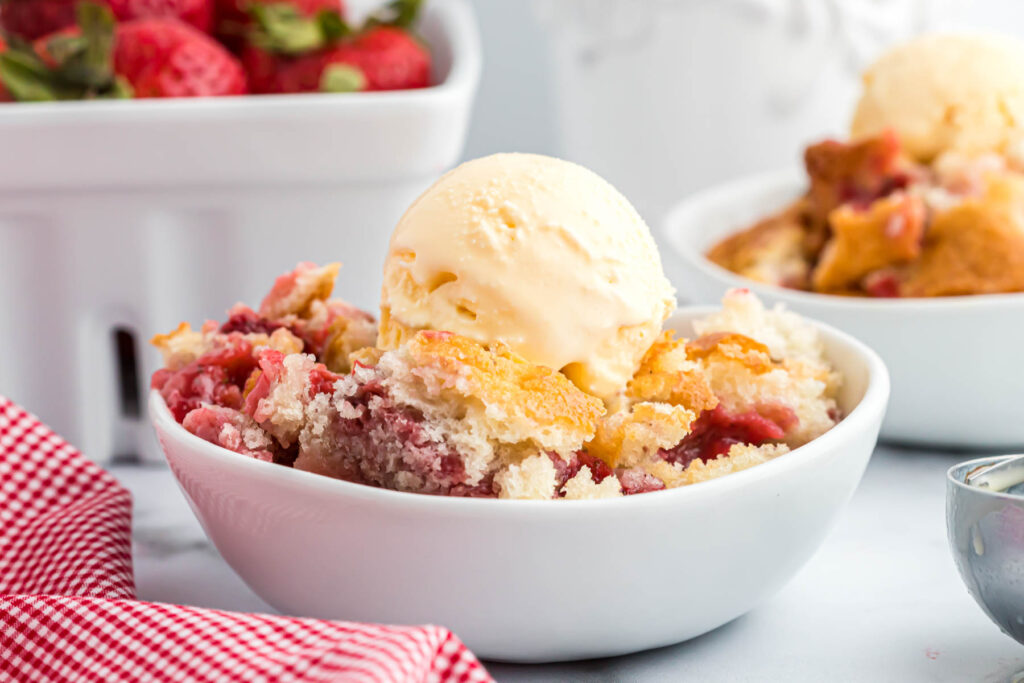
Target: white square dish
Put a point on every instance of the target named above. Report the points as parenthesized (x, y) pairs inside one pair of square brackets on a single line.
[(129, 216)]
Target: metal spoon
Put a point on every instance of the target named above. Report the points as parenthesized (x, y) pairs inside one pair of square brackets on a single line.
[(1002, 475)]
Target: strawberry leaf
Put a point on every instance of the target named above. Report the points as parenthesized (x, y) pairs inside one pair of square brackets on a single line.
[(26, 78), (82, 64), (281, 28)]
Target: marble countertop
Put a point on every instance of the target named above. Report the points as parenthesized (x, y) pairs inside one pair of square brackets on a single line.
[(881, 600)]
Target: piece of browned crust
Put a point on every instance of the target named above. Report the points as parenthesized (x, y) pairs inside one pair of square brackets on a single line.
[(633, 436), (293, 292), (181, 347), (498, 377), (975, 247), (347, 335), (732, 346), (666, 375), (887, 234)]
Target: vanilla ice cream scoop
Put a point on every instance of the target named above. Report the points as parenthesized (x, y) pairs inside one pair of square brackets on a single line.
[(941, 93), (539, 253)]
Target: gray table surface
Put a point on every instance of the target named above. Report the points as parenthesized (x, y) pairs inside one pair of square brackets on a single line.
[(880, 601)]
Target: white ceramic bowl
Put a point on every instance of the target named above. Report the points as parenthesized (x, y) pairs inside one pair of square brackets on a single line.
[(534, 580), (954, 360)]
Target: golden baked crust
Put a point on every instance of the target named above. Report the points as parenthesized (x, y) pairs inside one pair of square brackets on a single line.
[(840, 172), (346, 335), (628, 438), (976, 247), (499, 377), (293, 292), (180, 347), (770, 251), (667, 375), (887, 234), (731, 346)]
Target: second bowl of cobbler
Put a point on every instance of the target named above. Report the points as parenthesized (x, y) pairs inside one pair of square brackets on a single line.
[(909, 235)]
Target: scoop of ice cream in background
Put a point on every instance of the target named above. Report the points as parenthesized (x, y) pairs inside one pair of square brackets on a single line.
[(962, 93), (539, 253)]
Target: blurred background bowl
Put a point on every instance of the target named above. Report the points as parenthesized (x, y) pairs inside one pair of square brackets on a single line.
[(986, 536), (166, 205), (952, 360), (535, 580)]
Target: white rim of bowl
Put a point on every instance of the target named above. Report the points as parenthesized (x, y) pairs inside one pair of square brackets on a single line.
[(721, 195), (872, 404)]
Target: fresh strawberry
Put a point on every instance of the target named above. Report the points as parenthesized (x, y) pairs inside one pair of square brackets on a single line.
[(198, 13), (289, 53), (102, 59), (31, 19), (388, 57), (165, 58), (232, 20)]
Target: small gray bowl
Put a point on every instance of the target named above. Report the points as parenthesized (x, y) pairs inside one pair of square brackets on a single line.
[(986, 535)]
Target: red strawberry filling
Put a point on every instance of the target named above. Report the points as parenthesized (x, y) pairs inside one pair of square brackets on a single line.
[(384, 443), (244, 320), (225, 427), (216, 377), (717, 430)]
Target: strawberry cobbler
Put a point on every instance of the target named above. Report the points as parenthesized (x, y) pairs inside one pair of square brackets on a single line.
[(301, 382)]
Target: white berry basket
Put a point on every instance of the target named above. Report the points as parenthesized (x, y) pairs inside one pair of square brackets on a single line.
[(120, 219)]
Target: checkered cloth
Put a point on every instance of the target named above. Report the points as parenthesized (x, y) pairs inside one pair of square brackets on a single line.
[(66, 596)]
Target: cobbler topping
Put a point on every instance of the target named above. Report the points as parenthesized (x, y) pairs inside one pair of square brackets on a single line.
[(443, 414)]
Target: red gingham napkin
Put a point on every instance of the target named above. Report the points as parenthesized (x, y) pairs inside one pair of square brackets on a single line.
[(67, 592)]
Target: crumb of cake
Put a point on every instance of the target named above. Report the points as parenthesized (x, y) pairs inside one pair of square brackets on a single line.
[(583, 487), (294, 292), (628, 438), (533, 478), (739, 457), (181, 347)]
